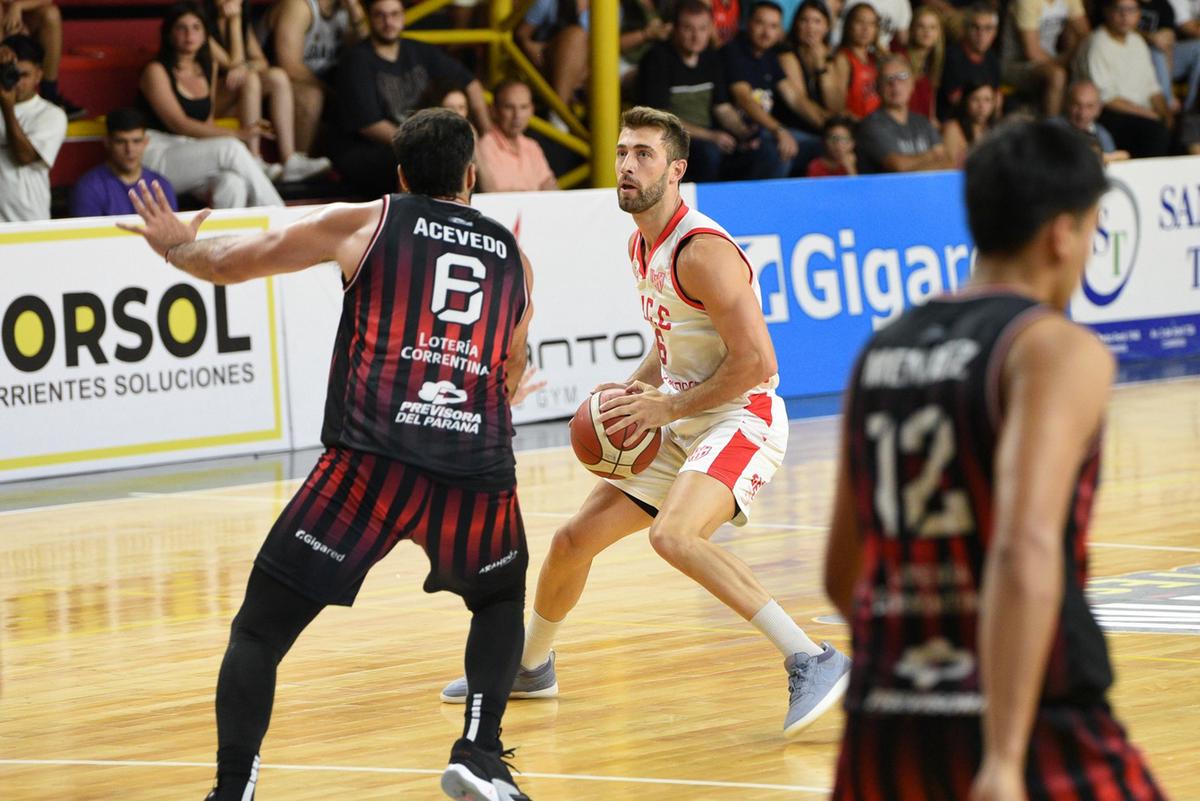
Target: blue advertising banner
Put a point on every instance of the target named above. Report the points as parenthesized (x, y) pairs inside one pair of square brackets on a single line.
[(838, 259)]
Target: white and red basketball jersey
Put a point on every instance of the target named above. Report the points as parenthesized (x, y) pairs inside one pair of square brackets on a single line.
[(689, 347)]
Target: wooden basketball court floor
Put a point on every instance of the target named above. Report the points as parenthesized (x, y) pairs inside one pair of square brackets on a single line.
[(115, 609)]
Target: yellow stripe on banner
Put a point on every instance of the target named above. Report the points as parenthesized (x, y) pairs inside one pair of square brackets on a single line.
[(109, 231), (105, 232)]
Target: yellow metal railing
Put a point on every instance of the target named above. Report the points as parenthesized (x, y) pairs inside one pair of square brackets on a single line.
[(597, 145)]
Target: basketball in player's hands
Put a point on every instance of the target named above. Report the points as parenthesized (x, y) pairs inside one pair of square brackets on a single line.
[(610, 455)]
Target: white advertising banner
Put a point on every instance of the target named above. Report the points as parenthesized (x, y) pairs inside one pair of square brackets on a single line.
[(1141, 289), (112, 358)]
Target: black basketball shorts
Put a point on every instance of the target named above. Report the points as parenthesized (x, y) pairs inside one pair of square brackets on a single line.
[(354, 507), (1075, 754)]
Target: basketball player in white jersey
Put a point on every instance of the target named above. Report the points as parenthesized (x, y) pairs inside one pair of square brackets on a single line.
[(710, 385)]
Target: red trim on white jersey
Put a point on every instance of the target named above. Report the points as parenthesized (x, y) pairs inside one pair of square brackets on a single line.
[(731, 462), (644, 259), (346, 284), (679, 290), (760, 406)]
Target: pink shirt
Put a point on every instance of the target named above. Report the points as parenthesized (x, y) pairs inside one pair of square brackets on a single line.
[(509, 169)]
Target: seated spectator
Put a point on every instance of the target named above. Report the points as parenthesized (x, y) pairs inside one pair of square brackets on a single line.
[(727, 21), (32, 130), (1187, 34), (685, 77), (854, 68), (1038, 45), (808, 62), (305, 38), (507, 159), (642, 27), (1176, 57), (1117, 60), (244, 78), (761, 90), (553, 37), (894, 139), (894, 20), (976, 116), (379, 83), (446, 96), (104, 190), (971, 60), (1083, 112), (177, 96), (838, 157), (41, 20), (926, 53)]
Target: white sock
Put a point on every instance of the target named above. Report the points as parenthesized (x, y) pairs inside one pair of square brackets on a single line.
[(539, 636), (781, 630)]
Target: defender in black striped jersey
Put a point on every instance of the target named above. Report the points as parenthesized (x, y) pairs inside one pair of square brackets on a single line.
[(418, 435), (970, 457)]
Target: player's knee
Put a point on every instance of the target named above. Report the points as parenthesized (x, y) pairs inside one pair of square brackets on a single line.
[(568, 545), (513, 592), (672, 545)]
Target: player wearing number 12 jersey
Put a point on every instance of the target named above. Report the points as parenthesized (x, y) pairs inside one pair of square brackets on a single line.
[(970, 457), (418, 436), (709, 384)]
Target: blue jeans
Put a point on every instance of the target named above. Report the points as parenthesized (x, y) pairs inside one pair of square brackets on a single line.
[(810, 147), (1186, 68)]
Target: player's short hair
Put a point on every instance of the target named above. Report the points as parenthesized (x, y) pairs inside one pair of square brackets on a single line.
[(1023, 175), (675, 137), (25, 48), (434, 146), (124, 119)]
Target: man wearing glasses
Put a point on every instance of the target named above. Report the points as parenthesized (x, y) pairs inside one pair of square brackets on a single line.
[(971, 60), (894, 139)]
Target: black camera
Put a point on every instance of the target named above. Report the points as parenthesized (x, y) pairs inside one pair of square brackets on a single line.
[(9, 74)]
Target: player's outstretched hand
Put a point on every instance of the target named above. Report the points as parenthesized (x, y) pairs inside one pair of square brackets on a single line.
[(642, 405), (998, 782), (527, 387), (163, 228)]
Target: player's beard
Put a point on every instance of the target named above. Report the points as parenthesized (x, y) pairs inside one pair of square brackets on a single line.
[(645, 198)]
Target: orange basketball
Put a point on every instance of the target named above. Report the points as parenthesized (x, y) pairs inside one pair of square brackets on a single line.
[(610, 455)]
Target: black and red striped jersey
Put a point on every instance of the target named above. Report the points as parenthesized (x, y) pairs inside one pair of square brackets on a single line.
[(419, 362), (922, 426)]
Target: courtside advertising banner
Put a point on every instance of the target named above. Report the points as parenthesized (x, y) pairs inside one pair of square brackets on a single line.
[(1141, 289), (838, 259), (113, 358)]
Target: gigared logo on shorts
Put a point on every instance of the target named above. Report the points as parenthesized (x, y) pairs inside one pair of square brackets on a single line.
[(756, 483), (700, 453)]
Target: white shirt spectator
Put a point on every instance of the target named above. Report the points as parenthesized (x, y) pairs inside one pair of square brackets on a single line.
[(1185, 10), (1121, 69), (894, 16), (1047, 17), (25, 189)]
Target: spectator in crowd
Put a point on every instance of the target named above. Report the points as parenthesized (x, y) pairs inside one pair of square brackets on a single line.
[(508, 160), (555, 40), (380, 82), (1083, 109), (954, 15), (727, 21), (642, 27), (761, 90), (1117, 60), (926, 53), (447, 96), (894, 139), (244, 78), (104, 190), (32, 130), (305, 38), (808, 61), (975, 116), (838, 157), (177, 96), (1039, 44), (41, 20), (894, 20), (685, 77), (1175, 56), (855, 71), (972, 59)]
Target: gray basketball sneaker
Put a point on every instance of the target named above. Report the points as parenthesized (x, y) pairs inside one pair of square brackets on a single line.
[(537, 683), (815, 683)]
